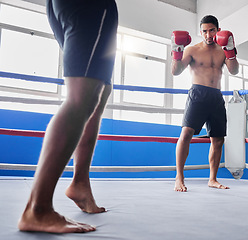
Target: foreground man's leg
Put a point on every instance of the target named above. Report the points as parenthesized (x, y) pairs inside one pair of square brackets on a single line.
[(61, 139), (80, 190)]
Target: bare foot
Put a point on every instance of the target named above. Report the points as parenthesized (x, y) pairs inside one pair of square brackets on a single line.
[(51, 222), (179, 186), (83, 198), (216, 184)]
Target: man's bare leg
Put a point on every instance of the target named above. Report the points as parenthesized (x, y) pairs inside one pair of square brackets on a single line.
[(80, 190), (215, 152), (182, 151), (61, 138)]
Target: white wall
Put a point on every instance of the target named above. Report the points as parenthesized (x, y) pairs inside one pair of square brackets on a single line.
[(243, 51), (232, 16), (155, 17), (39, 2), (150, 16), (219, 8), (161, 19)]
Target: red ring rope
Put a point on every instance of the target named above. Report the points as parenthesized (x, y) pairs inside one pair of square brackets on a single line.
[(24, 133), (29, 133)]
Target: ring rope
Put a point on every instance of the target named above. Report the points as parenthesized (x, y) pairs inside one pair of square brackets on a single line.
[(32, 133), (30, 100), (105, 137), (28, 167), (109, 106), (32, 78), (125, 138), (115, 86)]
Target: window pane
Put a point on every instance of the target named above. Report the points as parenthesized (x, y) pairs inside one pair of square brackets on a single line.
[(118, 38), (176, 119), (182, 81), (245, 68), (63, 91), (117, 77), (235, 83), (240, 71), (48, 87), (246, 85), (24, 18), (41, 108), (146, 47), (117, 68), (143, 72), (179, 100), (139, 116), (26, 54), (155, 99), (223, 83), (147, 73)]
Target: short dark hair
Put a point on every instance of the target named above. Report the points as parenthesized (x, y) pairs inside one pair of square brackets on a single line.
[(210, 19)]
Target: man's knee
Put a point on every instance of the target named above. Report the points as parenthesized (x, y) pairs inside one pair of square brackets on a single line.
[(103, 99), (105, 94), (186, 134), (217, 142)]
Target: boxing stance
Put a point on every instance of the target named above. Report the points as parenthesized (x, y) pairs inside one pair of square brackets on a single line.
[(205, 103), (86, 32)]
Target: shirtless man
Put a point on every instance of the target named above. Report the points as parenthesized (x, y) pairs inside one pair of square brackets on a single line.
[(205, 103), (86, 32)]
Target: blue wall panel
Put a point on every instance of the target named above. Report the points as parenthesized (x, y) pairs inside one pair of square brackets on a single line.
[(26, 150)]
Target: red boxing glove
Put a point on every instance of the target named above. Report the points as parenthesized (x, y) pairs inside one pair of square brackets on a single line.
[(225, 39), (179, 40)]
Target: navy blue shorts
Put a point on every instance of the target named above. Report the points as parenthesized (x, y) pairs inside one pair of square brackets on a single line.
[(205, 105), (86, 32)]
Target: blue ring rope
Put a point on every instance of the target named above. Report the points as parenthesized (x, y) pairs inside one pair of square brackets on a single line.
[(115, 86), (149, 89), (31, 78)]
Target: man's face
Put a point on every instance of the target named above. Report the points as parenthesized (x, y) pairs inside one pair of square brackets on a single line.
[(208, 31)]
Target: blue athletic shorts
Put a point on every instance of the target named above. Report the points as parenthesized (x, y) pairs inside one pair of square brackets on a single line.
[(86, 32), (205, 105)]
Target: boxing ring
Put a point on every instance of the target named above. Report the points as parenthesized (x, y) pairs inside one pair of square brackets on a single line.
[(237, 173), (137, 208)]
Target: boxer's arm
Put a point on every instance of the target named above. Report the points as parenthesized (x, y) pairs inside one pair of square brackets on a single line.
[(232, 66), (226, 40), (177, 66), (180, 58)]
